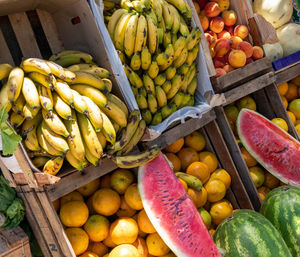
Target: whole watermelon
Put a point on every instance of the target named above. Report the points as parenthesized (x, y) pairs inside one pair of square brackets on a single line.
[(282, 208), (247, 233)]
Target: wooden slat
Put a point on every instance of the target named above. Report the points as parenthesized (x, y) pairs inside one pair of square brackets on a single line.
[(25, 35), (5, 56), (7, 174), (41, 178), (50, 31), (287, 74), (262, 104)]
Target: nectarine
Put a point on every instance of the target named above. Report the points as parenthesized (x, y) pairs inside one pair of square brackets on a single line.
[(246, 48), (258, 52), (216, 24), (212, 9), (241, 31), (229, 17), (237, 58)]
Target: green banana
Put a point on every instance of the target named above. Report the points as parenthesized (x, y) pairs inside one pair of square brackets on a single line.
[(191, 181)]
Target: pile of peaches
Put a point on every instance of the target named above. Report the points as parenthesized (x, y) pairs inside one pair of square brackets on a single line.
[(227, 40)]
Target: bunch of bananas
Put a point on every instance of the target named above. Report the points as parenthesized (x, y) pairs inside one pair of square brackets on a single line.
[(69, 113), (158, 51)]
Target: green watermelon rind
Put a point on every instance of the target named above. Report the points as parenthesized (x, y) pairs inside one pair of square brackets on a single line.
[(256, 157)]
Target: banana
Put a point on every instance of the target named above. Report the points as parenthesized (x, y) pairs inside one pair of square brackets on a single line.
[(139, 6), (182, 58), (160, 79), (108, 5), (152, 103), (160, 96), (134, 79), (177, 99), (116, 100), (179, 46), (101, 139), (141, 101), (5, 69), (192, 55), (45, 97), (193, 38), (83, 77), (94, 114), (14, 83), (55, 123), (44, 80), (63, 53), (167, 86), (108, 84), (53, 166), (176, 84), (132, 161), (126, 4), (38, 65), (167, 15), (176, 20), (4, 98), (141, 34), (130, 34), (153, 70), (167, 110), (147, 4), (136, 61), (40, 161), (162, 59), (90, 157), (167, 38), (41, 153), (115, 113), (149, 84), (60, 72), (62, 108), (170, 72), (29, 125), (174, 38), (94, 94), (157, 8), (75, 141), (19, 104), (160, 34), (188, 14), (64, 91), (188, 77), (179, 4), (79, 103), (30, 93), (191, 102), (143, 91), (190, 180), (55, 140), (134, 90), (75, 58), (157, 119), (183, 29), (16, 120), (77, 164), (89, 135), (29, 113), (135, 138), (108, 129), (114, 21), (147, 116), (170, 54), (183, 69), (145, 58), (90, 68), (185, 100), (192, 86), (120, 29), (152, 34), (30, 134)]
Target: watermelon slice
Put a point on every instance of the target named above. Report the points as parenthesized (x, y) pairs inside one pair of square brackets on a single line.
[(172, 212), (272, 147)]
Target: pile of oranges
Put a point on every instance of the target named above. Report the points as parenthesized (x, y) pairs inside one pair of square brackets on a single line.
[(188, 155)]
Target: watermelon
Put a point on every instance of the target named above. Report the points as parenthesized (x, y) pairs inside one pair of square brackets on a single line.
[(272, 147), (282, 208), (172, 212), (248, 233)]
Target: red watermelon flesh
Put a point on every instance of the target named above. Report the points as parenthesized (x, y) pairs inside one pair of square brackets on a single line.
[(172, 212), (272, 147)]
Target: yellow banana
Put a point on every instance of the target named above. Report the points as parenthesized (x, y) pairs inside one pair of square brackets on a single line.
[(108, 5), (188, 14), (182, 58), (83, 77), (176, 84), (183, 69), (136, 62), (45, 80), (108, 129), (167, 38), (157, 8), (162, 59), (170, 72), (176, 20), (157, 119), (149, 84), (31, 141), (190, 180), (116, 100), (94, 114), (90, 68), (108, 85), (122, 57), (139, 6), (143, 91), (192, 55), (46, 98), (4, 98), (141, 101), (114, 21), (30, 93), (41, 153), (147, 116), (167, 15), (174, 38), (134, 90), (160, 96), (15, 82), (19, 104), (192, 86), (60, 72), (115, 113), (160, 79), (183, 29), (75, 58), (126, 4), (40, 161), (134, 78), (37, 65), (179, 4), (90, 157), (147, 4), (63, 53), (29, 113), (53, 166), (177, 99), (55, 123), (141, 34), (153, 70), (167, 86), (5, 69), (79, 103), (69, 76), (152, 103), (167, 110), (119, 33), (130, 35), (64, 91), (77, 164), (185, 100), (101, 139), (62, 108), (191, 73), (152, 35), (29, 125), (193, 38), (16, 120), (145, 58)]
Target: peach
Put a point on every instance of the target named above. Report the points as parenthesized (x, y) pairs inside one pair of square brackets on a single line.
[(229, 17), (229, 29), (235, 41), (258, 52), (212, 9), (241, 31), (249, 60), (212, 33), (216, 24), (226, 56), (246, 48), (237, 58), (197, 7), (224, 5), (220, 72), (219, 62), (202, 3), (223, 46), (224, 34), (204, 22), (210, 40), (228, 68), (202, 13), (212, 52)]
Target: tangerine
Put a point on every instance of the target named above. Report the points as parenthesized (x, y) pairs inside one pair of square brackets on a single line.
[(89, 188), (89, 204), (198, 198), (73, 196), (294, 107), (246, 102), (124, 250), (89, 254), (210, 160), (125, 210), (258, 175), (121, 179), (144, 223), (223, 175), (283, 88), (176, 163), (271, 181), (292, 92), (231, 112), (78, 239), (74, 214), (250, 161), (281, 123), (156, 246), (212, 232), (106, 201), (108, 242), (262, 192), (175, 147), (284, 101), (220, 211), (200, 170), (216, 190), (187, 155), (141, 246), (124, 231), (97, 227), (98, 248), (195, 140), (297, 127), (292, 117), (133, 198)]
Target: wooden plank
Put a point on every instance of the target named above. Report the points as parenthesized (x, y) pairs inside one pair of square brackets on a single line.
[(7, 174), (287, 74), (41, 178), (50, 31), (25, 35), (262, 104), (5, 56)]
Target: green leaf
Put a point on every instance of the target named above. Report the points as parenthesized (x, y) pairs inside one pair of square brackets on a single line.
[(8, 130), (9, 142), (14, 214), (7, 195), (3, 115)]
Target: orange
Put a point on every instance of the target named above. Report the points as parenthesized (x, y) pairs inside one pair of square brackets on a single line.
[(271, 181), (124, 250), (89, 204), (144, 223), (297, 122), (246, 102), (170, 254), (105, 181), (258, 175), (263, 191), (56, 204), (199, 170), (220, 211), (141, 233), (284, 101), (141, 246), (297, 127), (294, 107), (296, 81), (281, 123), (97, 227), (106, 201), (98, 248), (205, 217), (198, 198), (187, 156), (292, 117), (175, 147), (292, 92), (262, 196), (73, 196), (211, 232), (124, 231), (125, 210), (216, 190), (121, 179), (210, 160), (106, 255), (283, 88), (89, 254), (89, 188), (78, 239), (176, 163), (108, 242), (231, 112), (133, 198), (223, 175), (156, 246), (74, 214), (250, 161), (184, 184), (195, 140)]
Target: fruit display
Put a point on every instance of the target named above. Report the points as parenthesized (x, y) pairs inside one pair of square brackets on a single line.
[(227, 40), (158, 49)]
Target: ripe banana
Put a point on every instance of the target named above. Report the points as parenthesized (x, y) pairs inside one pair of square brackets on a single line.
[(179, 4), (29, 125), (29, 113), (116, 100), (139, 6), (108, 85), (115, 113), (83, 77), (40, 161), (79, 103), (41, 153), (191, 102), (182, 58), (167, 86), (63, 53), (167, 110), (176, 20), (122, 57), (108, 5), (170, 72), (157, 119), (147, 116), (108, 129), (152, 35), (130, 34), (143, 91), (19, 104), (31, 141), (153, 70), (183, 69), (113, 22), (170, 53), (177, 99), (192, 86), (134, 90), (136, 62), (176, 84), (190, 180), (160, 96), (101, 139), (192, 55), (185, 100), (183, 29), (75, 58), (141, 34), (38, 65), (146, 3), (15, 82), (134, 78), (188, 14), (62, 108), (64, 91), (30, 93), (167, 15), (152, 103), (16, 120), (46, 81), (60, 72), (53, 166), (162, 59), (4, 98), (119, 33), (157, 8), (174, 38), (126, 4), (149, 84), (46, 98), (90, 68), (77, 164), (160, 79), (178, 46), (193, 38), (94, 114), (5, 69), (91, 158), (167, 38), (141, 101), (55, 123), (145, 58)]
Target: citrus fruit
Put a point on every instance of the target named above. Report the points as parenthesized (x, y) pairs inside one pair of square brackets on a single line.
[(294, 107), (187, 155), (141, 246), (199, 170), (250, 161), (262, 192), (284, 101), (56, 204), (124, 231), (246, 102), (176, 163), (297, 122), (283, 88), (156, 246), (175, 147), (98, 248), (223, 175), (97, 227), (89, 204), (270, 181), (292, 92), (297, 127), (281, 123), (108, 242), (220, 211), (210, 160), (184, 184), (105, 181), (292, 117), (198, 198), (106, 201), (212, 232), (257, 175), (133, 198), (78, 239), (74, 214), (216, 190), (262, 196), (124, 250), (205, 217), (170, 254), (73, 196), (195, 140), (231, 112), (120, 179), (125, 210), (296, 81), (89, 254), (144, 223), (89, 188)]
